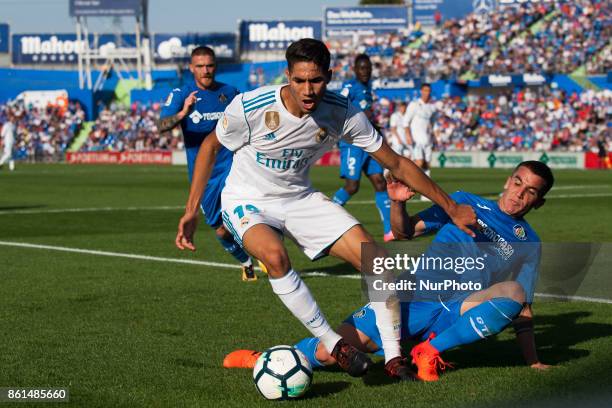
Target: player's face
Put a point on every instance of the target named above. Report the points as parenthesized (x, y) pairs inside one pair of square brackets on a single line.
[(522, 192), (363, 71), (425, 93), (203, 68), (307, 84)]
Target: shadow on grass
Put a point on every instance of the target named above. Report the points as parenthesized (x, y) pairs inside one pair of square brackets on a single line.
[(556, 338), (21, 207), (325, 389)]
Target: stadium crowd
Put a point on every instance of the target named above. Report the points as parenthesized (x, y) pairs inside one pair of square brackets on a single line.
[(130, 129), (43, 134), (538, 37), (539, 119)]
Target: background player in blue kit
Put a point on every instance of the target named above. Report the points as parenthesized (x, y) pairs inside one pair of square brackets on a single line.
[(354, 160), (470, 316), (198, 106)]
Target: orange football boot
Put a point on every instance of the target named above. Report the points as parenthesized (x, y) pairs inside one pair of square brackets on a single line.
[(428, 361), (241, 359)]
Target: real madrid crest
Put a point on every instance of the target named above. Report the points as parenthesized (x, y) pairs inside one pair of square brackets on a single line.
[(272, 119), (225, 123), (321, 135), (222, 98)]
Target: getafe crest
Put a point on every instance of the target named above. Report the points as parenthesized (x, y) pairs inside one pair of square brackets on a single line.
[(519, 232), (321, 135), (272, 119), (222, 98)]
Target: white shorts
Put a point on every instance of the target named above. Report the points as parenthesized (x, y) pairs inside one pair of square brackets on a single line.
[(312, 220), (422, 152)]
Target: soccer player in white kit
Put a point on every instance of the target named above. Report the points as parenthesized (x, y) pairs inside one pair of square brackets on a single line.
[(277, 134), (418, 121), (8, 139), (398, 138)]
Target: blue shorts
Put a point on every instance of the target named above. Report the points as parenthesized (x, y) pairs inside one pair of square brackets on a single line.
[(418, 320), (354, 160), (211, 199)]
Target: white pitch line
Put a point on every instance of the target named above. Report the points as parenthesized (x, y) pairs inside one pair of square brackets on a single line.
[(315, 274), (94, 209)]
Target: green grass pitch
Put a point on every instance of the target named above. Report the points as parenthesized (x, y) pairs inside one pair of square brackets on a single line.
[(144, 333)]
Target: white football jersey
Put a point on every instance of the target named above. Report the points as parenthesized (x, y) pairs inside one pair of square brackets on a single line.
[(8, 134), (275, 149), (418, 117), (397, 121)]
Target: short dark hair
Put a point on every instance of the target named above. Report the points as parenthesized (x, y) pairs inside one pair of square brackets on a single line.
[(203, 50), (539, 169), (425, 84), (308, 50), (362, 57)]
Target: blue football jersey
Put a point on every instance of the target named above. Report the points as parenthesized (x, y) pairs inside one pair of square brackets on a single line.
[(511, 247), (359, 94), (204, 114)]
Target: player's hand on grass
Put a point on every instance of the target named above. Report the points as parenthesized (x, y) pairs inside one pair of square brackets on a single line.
[(398, 191), (464, 217), (186, 230), (189, 102), (540, 366)]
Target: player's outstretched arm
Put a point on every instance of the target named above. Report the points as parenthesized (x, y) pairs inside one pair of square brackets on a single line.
[(201, 174), (410, 174), (403, 225)]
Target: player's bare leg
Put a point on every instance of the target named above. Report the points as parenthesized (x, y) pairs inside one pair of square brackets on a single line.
[(388, 319), (266, 245)]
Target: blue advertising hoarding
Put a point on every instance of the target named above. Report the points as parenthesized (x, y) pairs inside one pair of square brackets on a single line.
[(4, 37), (365, 20), (276, 35), (62, 48), (84, 8), (424, 11), (169, 48)]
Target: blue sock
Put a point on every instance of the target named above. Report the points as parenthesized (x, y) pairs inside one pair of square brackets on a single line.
[(308, 347), (384, 208), (341, 197), (486, 319), (234, 249)]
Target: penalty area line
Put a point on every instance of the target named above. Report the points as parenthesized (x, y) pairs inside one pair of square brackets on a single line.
[(314, 274)]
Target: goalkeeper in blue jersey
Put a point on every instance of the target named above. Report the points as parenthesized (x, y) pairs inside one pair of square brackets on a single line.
[(469, 316), (197, 107)]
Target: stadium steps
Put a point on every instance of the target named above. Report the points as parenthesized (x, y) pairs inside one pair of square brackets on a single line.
[(123, 89), (81, 137), (581, 71), (582, 80)]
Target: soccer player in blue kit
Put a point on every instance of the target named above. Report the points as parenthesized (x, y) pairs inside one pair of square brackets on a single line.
[(354, 160), (472, 315), (198, 106)]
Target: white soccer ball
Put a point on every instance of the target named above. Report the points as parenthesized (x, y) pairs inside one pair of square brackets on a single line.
[(282, 373)]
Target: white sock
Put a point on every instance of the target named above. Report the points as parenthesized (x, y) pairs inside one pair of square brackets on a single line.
[(294, 293), (389, 324), (247, 263), (12, 165)]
